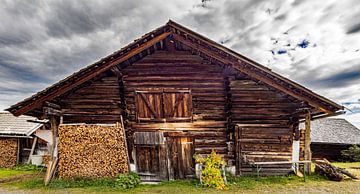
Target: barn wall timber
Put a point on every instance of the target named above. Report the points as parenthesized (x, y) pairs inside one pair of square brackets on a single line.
[(264, 116), (182, 70), (97, 102), (8, 152), (217, 95), (178, 70)]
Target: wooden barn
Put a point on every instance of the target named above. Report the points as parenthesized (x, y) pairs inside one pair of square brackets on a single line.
[(181, 94), (329, 136), (22, 141)]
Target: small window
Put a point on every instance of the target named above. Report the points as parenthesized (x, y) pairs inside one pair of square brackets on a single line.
[(164, 105)]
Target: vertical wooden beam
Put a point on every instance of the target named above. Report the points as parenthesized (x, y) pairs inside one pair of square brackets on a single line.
[(307, 150), (125, 141), (54, 128), (51, 167), (228, 112), (125, 112), (18, 151), (32, 150)]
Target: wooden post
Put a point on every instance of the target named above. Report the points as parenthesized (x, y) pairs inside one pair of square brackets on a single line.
[(307, 150), (32, 149), (18, 151), (125, 142), (54, 127), (53, 157)]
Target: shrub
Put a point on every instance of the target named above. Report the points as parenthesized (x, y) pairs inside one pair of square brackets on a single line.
[(211, 173), (127, 181), (352, 154)]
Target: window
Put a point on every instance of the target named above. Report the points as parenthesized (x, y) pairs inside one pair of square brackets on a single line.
[(163, 105)]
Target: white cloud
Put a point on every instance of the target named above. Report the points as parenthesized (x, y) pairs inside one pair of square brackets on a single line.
[(52, 39)]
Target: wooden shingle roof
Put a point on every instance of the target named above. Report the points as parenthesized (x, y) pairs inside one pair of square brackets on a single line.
[(17, 126), (334, 131)]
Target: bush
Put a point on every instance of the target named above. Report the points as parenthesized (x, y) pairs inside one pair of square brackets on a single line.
[(211, 174), (127, 181), (352, 154)]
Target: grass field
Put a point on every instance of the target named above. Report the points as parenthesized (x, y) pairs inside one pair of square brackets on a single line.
[(18, 170), (272, 184), (352, 167)]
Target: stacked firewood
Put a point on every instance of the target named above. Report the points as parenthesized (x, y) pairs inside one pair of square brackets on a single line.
[(8, 152), (91, 151), (325, 168)]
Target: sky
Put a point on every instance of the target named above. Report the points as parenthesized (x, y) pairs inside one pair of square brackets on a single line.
[(315, 43)]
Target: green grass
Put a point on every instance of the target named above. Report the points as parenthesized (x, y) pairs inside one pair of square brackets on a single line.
[(180, 186), (350, 166), (248, 184), (18, 170)]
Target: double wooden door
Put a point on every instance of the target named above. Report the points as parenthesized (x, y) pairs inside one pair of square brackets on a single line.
[(163, 158), (180, 157)]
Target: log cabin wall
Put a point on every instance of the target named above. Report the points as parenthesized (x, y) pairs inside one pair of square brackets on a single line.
[(182, 70), (97, 101), (179, 70), (217, 95), (265, 130)]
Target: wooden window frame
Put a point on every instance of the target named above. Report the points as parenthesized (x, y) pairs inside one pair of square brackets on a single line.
[(163, 117)]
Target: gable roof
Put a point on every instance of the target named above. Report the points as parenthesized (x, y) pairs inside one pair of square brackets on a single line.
[(334, 131), (199, 44), (17, 126)]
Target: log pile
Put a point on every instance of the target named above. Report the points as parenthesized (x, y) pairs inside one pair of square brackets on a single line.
[(325, 168), (92, 151), (8, 152)]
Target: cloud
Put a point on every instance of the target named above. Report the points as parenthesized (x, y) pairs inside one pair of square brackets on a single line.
[(343, 78), (42, 42), (354, 29)]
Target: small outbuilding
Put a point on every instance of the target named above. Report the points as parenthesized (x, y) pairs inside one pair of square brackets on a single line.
[(20, 138), (332, 135)]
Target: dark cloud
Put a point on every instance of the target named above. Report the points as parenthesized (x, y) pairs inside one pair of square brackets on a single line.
[(22, 74), (343, 78), (42, 42), (281, 17), (67, 21), (354, 29), (13, 39)]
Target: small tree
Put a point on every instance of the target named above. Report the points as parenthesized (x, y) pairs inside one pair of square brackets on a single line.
[(211, 175), (352, 154)]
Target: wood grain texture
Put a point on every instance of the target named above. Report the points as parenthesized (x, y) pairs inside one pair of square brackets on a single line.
[(8, 152), (91, 151)]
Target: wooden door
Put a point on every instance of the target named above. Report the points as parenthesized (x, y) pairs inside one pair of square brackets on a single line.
[(177, 105), (180, 157), (149, 105), (147, 157), (163, 105), (150, 154)]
